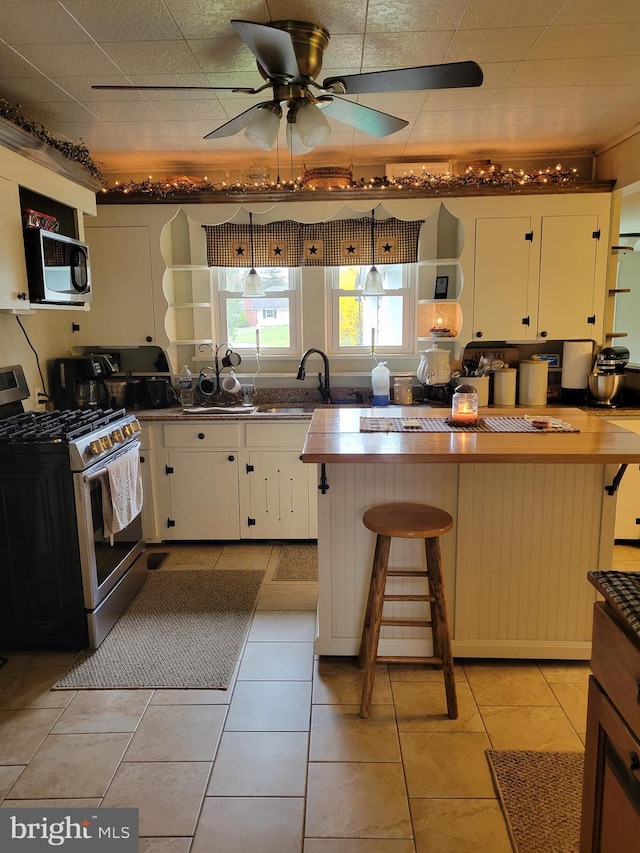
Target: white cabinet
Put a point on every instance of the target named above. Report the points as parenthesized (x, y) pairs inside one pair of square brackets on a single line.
[(628, 498), (198, 483), (122, 309), (535, 278), (279, 490), (13, 271), (230, 480)]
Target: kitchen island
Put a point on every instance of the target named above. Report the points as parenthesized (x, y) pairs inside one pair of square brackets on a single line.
[(532, 514)]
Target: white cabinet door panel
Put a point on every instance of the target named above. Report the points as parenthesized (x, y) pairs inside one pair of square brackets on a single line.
[(203, 495), (279, 495)]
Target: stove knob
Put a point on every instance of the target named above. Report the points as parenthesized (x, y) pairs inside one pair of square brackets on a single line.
[(94, 447), (117, 435)]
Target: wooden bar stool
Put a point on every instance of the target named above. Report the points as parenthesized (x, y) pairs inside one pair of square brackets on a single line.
[(407, 521)]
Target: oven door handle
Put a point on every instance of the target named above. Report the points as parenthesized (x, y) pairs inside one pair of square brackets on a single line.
[(88, 478)]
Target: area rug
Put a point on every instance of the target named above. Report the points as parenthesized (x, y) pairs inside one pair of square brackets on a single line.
[(297, 562), (184, 629), (540, 794)]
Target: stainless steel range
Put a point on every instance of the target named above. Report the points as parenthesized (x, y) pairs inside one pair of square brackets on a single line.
[(64, 582)]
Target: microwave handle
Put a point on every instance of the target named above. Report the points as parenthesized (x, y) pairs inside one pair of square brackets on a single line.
[(79, 270)]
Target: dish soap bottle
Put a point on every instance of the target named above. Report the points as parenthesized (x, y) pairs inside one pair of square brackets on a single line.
[(380, 382), (185, 386)]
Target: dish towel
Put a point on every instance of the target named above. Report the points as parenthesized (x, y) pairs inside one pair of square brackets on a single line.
[(121, 492)]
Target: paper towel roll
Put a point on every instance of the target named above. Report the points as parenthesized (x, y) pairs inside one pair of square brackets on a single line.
[(534, 377), (576, 363), (504, 387)]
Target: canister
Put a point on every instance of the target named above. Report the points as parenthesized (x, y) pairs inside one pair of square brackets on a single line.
[(403, 390), (534, 376), (504, 387), (481, 384)]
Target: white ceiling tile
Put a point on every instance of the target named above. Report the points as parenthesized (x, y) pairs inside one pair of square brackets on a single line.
[(394, 50), (407, 15), (26, 90), (612, 94), (344, 51), (528, 97), (503, 44), (553, 72), (152, 57), (598, 12), (450, 119), (202, 19), (72, 60), (509, 13), (118, 20), (67, 111), (39, 21), (581, 40), (393, 102), (224, 56), (334, 15), (610, 70)]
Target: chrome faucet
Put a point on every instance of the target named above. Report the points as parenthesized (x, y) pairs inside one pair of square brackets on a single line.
[(323, 387)]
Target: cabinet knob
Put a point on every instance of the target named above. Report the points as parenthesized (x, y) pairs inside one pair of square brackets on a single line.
[(200, 435), (478, 334), (231, 458), (142, 459), (148, 339), (22, 295), (543, 334)]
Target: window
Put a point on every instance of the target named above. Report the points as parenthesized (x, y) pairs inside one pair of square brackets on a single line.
[(276, 315), (354, 319)]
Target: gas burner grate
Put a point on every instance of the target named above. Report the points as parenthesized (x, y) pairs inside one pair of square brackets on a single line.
[(58, 426)]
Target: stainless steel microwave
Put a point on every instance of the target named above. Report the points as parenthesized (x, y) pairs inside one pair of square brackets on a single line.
[(58, 269)]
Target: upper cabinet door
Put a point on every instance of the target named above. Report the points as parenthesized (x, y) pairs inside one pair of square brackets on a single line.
[(14, 290), (502, 279), (121, 311), (567, 277)]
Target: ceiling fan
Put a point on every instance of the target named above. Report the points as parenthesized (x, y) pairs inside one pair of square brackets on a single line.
[(289, 58)]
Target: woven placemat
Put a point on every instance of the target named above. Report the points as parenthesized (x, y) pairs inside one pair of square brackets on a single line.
[(541, 797), (490, 424)]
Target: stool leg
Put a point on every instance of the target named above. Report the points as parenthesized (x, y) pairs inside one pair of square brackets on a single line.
[(440, 627), (373, 618)]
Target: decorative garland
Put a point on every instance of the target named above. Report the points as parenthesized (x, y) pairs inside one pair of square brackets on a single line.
[(76, 151), (474, 176)]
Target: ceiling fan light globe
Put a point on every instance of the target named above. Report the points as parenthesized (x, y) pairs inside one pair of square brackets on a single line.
[(312, 126), (253, 284), (262, 130), (294, 142), (373, 283)]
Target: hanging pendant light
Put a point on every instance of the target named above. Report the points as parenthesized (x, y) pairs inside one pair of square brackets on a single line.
[(253, 282), (263, 128), (373, 282)]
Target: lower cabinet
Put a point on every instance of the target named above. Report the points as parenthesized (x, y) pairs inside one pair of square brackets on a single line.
[(231, 481), (611, 795)]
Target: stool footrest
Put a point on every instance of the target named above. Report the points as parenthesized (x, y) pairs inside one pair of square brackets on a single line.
[(399, 573), (406, 623), (435, 662), (408, 598)]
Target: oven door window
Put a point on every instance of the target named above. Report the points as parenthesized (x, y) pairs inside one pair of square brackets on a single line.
[(110, 556)]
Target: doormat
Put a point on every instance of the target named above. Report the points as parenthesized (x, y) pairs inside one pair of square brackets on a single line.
[(541, 797), (184, 629), (297, 562)]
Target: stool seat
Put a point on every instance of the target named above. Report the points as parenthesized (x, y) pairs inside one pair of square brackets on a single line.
[(407, 521)]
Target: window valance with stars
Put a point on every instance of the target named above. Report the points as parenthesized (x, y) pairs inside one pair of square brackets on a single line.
[(342, 242)]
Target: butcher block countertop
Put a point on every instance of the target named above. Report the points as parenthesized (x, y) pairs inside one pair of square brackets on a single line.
[(334, 435)]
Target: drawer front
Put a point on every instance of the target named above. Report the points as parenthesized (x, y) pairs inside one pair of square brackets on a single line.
[(615, 661), (276, 435), (202, 435)]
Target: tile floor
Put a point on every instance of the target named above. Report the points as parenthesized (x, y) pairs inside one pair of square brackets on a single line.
[(282, 763)]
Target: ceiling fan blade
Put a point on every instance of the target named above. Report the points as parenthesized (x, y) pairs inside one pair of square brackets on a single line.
[(363, 118), (452, 75), (273, 48), (234, 125), (245, 89)]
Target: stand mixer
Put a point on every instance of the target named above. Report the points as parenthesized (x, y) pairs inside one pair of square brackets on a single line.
[(606, 379)]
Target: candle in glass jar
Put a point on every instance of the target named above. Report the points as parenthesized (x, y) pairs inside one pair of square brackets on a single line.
[(465, 416)]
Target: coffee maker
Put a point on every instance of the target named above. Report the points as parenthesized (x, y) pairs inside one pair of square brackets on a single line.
[(79, 381), (606, 380)]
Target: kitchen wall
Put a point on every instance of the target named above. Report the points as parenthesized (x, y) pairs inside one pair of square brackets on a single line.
[(46, 331)]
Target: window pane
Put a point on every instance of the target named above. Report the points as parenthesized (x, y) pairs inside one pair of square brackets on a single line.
[(273, 278), (352, 278), (270, 315), (358, 315)]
